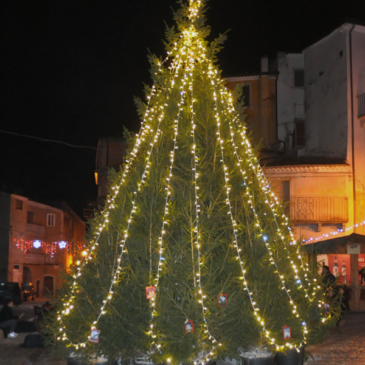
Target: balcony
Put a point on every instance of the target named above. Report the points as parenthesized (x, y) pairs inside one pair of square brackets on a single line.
[(319, 210), (35, 228), (38, 259), (55, 260)]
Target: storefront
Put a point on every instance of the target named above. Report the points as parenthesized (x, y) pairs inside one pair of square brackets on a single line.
[(345, 257)]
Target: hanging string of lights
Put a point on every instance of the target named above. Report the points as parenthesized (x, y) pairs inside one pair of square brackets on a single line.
[(197, 242), (235, 242), (265, 187), (116, 270), (164, 221)]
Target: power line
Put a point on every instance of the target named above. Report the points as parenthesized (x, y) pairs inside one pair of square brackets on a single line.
[(47, 140)]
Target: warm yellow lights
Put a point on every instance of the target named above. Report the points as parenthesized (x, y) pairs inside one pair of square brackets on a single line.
[(189, 51)]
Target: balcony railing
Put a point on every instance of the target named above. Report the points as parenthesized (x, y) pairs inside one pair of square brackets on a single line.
[(52, 260), (35, 228), (318, 210), (361, 108), (38, 259)]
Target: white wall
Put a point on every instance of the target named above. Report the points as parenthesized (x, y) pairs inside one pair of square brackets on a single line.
[(358, 87), (290, 100), (326, 103)]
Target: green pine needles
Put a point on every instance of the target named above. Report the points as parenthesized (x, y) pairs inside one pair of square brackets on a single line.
[(192, 215)]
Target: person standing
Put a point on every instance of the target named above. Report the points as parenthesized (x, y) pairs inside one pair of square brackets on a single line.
[(328, 278), (7, 318)]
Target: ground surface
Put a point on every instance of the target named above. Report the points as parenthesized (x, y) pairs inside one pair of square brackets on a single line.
[(344, 346)]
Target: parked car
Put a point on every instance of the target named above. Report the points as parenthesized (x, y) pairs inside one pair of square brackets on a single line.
[(9, 290), (28, 291)]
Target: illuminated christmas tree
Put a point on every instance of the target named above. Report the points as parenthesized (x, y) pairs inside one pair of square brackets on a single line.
[(192, 258)]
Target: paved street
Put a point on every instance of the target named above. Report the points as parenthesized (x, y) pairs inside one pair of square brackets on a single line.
[(345, 345)]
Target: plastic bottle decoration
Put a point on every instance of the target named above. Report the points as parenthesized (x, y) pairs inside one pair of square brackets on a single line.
[(150, 292), (94, 335), (286, 333), (222, 300), (189, 327)]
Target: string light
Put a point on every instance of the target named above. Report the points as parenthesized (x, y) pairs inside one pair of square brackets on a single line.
[(235, 242), (187, 51), (197, 243)]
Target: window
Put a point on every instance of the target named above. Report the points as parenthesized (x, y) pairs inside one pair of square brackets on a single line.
[(299, 133), (246, 95), (298, 78), (19, 204), (361, 105), (30, 217), (50, 220)]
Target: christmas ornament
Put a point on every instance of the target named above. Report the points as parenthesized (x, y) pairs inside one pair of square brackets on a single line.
[(189, 327), (222, 300), (150, 292), (286, 333), (94, 335), (326, 308)]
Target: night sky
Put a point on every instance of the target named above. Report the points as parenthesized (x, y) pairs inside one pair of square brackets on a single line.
[(70, 70)]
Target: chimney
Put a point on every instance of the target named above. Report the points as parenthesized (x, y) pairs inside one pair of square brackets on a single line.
[(264, 64)]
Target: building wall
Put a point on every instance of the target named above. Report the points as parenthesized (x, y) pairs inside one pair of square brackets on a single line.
[(261, 113), (290, 98), (327, 184), (358, 87), (326, 103), (4, 234), (67, 227)]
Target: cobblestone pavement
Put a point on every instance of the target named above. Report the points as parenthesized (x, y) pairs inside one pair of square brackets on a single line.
[(12, 354), (344, 346)]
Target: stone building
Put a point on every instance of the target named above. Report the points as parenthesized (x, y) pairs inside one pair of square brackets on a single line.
[(37, 241)]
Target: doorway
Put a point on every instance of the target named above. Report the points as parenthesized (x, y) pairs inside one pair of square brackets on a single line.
[(48, 285), (27, 275), (38, 288)]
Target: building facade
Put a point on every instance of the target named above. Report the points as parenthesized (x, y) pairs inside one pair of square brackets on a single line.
[(37, 241), (321, 113), (259, 98)]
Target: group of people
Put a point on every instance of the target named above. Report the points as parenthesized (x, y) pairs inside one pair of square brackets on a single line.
[(8, 321), (329, 280)]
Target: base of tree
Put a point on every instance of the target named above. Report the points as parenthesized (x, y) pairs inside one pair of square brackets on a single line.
[(292, 357), (259, 360)]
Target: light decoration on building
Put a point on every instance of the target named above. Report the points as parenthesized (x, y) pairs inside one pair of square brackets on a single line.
[(48, 247), (324, 236), (62, 244), (37, 244)]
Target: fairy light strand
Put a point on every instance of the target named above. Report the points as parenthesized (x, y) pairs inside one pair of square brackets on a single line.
[(235, 230)]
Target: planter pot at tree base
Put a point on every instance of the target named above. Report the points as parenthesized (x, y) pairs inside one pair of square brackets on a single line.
[(292, 357), (258, 360)]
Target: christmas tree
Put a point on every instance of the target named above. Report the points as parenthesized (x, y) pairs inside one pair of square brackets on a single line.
[(192, 258)]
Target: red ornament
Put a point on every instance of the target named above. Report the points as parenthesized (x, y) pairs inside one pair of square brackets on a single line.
[(222, 300), (189, 327), (286, 333), (94, 335), (326, 308), (150, 292)]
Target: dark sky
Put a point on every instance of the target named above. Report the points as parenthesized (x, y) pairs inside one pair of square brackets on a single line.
[(70, 69)]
